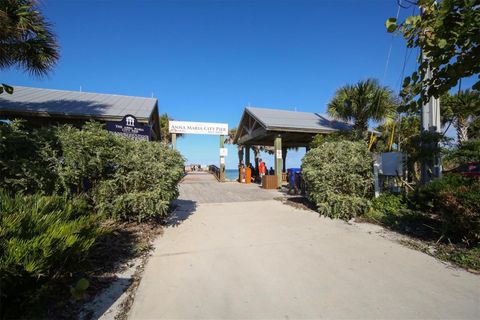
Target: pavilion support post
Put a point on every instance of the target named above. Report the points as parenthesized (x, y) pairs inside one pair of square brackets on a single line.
[(284, 158), (222, 160), (278, 160), (174, 141), (247, 156)]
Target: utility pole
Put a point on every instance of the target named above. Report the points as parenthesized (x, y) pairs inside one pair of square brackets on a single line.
[(430, 118), (431, 123)]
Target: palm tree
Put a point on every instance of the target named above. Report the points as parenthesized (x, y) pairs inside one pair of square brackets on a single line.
[(164, 129), (461, 110), (26, 40), (362, 102), (229, 140)]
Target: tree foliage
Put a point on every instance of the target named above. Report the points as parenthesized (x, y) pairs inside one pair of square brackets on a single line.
[(367, 100), (474, 129), (461, 109), (320, 139), (448, 34), (26, 39), (469, 151), (165, 129)]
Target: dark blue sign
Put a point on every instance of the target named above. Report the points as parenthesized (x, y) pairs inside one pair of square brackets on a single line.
[(129, 127)]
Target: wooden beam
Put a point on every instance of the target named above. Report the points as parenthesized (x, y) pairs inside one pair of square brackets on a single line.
[(278, 159), (256, 133)]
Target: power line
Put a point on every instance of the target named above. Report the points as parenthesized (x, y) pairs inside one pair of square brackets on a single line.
[(405, 59), (399, 2)]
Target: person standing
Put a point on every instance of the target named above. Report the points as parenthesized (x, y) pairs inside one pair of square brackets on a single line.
[(262, 169)]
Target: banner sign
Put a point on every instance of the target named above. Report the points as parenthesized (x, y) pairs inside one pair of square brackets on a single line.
[(198, 127), (129, 127)]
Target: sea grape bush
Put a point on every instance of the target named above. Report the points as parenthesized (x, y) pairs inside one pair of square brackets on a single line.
[(143, 184), (27, 158), (339, 178), (456, 200), (122, 178)]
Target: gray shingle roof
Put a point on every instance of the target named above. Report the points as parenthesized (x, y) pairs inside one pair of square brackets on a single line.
[(72, 103), (274, 119)]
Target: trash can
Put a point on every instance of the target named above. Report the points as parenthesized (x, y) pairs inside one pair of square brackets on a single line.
[(248, 175), (292, 173), (241, 173)]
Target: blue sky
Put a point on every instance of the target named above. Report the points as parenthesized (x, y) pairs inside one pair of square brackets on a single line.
[(206, 60)]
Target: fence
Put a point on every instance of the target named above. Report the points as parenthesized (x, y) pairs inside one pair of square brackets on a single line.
[(214, 170)]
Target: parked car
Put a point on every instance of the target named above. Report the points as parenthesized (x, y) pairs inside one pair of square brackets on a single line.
[(469, 169)]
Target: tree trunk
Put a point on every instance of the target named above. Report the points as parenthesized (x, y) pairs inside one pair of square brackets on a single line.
[(462, 129), (360, 128), (240, 155), (256, 152)]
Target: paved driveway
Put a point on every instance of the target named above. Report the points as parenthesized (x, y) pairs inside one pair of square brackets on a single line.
[(262, 259)]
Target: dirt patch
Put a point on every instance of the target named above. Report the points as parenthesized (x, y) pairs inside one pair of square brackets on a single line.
[(112, 267), (298, 202), (121, 255)]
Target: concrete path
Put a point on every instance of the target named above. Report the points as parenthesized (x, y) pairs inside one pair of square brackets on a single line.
[(266, 260)]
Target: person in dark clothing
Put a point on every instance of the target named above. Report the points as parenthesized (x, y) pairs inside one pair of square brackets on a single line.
[(271, 171), (252, 172)]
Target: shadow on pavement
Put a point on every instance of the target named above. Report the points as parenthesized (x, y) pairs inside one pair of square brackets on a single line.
[(182, 210)]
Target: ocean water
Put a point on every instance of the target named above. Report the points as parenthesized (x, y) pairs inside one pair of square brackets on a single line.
[(231, 174)]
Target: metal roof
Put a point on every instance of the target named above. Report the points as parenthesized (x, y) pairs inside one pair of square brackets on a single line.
[(259, 126), (74, 103), (283, 120)]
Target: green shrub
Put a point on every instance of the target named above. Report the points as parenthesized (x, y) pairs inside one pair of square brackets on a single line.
[(42, 238), (339, 178), (456, 200), (143, 184), (320, 139), (125, 179), (27, 158), (465, 152), (385, 206), (89, 156)]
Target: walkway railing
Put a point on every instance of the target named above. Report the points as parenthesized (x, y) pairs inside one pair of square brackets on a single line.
[(214, 170)]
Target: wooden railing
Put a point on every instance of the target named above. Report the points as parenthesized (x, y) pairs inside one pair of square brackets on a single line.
[(213, 169)]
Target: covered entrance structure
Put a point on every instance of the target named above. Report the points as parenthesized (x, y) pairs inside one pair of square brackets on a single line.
[(282, 129)]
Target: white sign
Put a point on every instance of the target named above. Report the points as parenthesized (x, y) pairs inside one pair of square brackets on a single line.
[(223, 152), (222, 160), (198, 127), (279, 154)]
